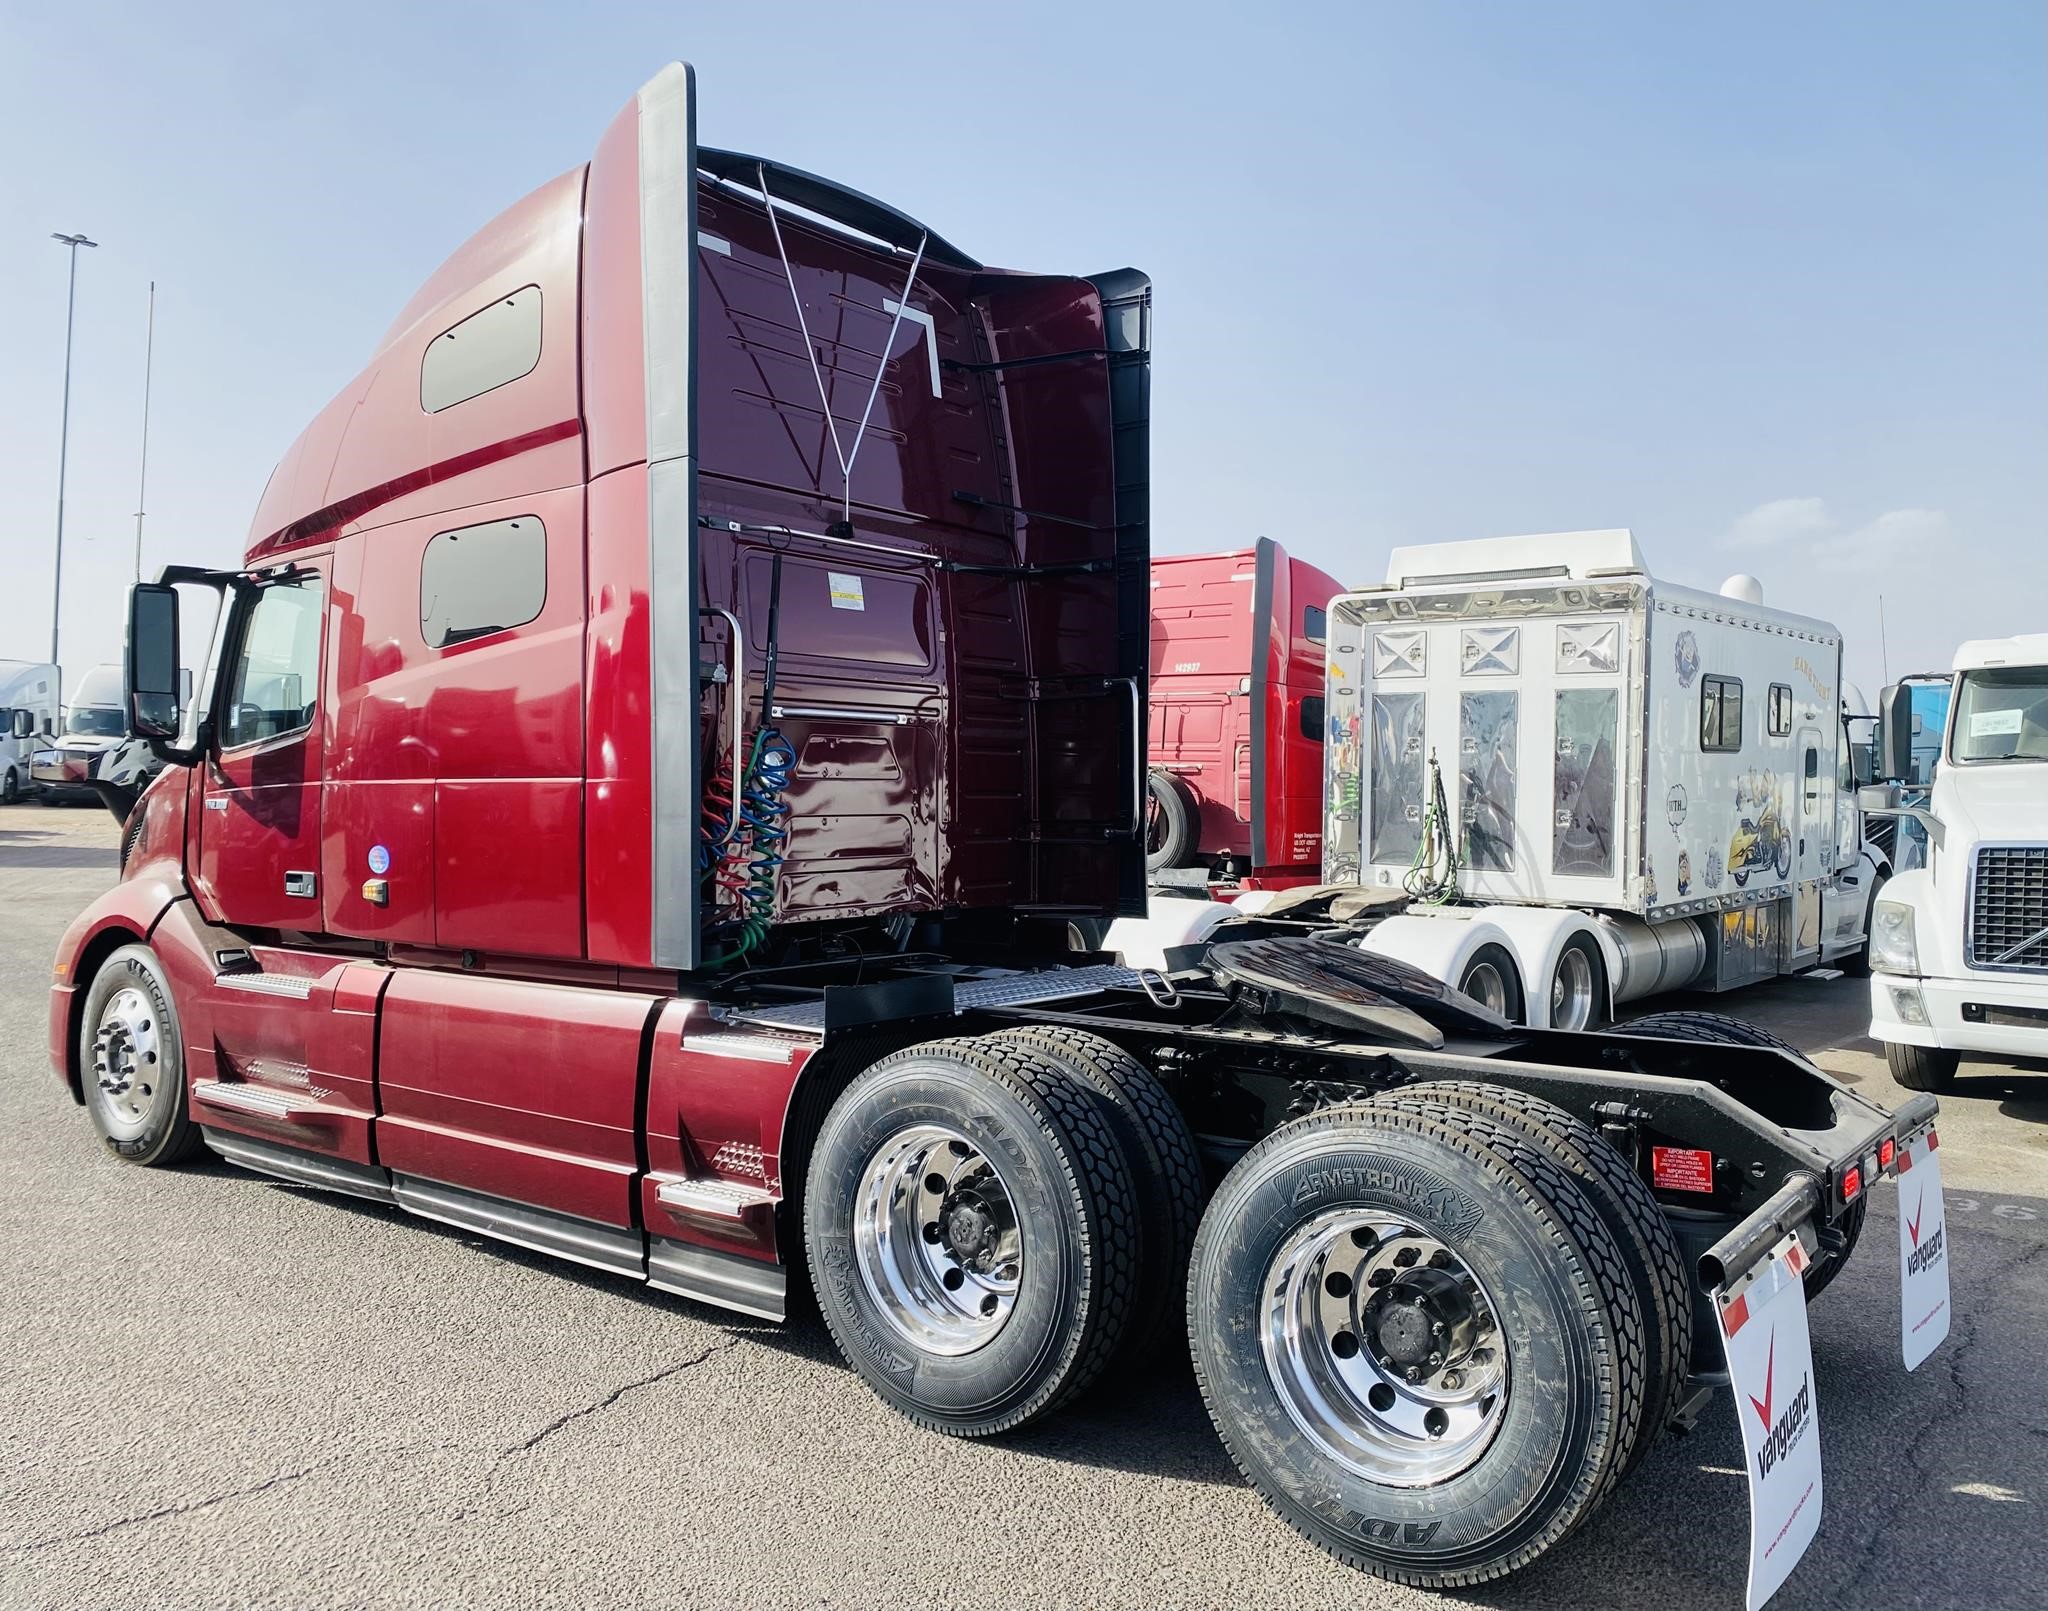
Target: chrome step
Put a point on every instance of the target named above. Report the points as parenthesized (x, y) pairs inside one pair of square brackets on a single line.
[(239, 1097), (713, 1199)]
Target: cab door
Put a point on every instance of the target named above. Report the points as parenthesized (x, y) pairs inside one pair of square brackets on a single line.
[(259, 837)]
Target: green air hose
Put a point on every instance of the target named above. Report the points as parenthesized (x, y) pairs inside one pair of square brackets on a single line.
[(1433, 874)]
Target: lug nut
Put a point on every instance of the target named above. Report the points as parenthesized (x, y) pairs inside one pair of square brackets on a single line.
[(1406, 1257), (1440, 1259), (1452, 1381)]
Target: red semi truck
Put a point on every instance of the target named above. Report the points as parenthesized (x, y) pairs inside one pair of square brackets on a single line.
[(673, 703), (1235, 792)]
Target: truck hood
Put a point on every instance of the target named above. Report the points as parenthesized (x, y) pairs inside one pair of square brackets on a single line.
[(1993, 802), (83, 743)]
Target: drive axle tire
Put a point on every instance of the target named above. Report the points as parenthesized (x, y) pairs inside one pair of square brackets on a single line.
[(1169, 822), (1578, 986), (1492, 979), (131, 1058), (972, 1234), (1921, 1068), (1405, 1346), (1656, 1268), (1163, 1165)]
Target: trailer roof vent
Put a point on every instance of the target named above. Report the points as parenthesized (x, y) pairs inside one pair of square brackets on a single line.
[(1744, 587)]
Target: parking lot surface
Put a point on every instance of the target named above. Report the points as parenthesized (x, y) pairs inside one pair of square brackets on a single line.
[(220, 1390)]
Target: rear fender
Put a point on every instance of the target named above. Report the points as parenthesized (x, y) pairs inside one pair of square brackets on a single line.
[(1537, 936), (1439, 946)]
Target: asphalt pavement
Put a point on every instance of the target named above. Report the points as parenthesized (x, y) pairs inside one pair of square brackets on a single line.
[(223, 1391)]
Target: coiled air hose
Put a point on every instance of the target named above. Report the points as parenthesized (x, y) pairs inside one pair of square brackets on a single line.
[(743, 865)]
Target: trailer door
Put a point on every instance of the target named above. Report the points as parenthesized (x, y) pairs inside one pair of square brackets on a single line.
[(1813, 846)]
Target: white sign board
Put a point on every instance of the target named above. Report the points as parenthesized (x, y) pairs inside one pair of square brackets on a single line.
[(1770, 1367), (1923, 1251)]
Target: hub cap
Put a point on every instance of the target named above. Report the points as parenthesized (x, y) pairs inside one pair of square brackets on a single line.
[(936, 1241), (1571, 991), (125, 1049), (1384, 1348)]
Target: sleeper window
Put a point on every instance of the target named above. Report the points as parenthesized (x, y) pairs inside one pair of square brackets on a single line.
[(1315, 624), (491, 348), (276, 675), (1720, 714), (482, 579)]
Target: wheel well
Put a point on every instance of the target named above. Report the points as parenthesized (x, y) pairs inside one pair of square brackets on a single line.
[(90, 955)]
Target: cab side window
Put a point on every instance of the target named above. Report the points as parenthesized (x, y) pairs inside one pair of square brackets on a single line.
[(274, 683), (482, 579)]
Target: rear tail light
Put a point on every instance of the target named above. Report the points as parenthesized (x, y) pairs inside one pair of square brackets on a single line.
[(1852, 1183), (1886, 1151)]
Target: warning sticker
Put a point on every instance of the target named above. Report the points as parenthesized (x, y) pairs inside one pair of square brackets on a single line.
[(846, 593), (1682, 1169)]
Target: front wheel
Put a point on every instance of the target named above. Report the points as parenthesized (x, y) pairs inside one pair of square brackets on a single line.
[(972, 1233), (10, 787), (132, 1059), (1406, 1345), (1921, 1068)]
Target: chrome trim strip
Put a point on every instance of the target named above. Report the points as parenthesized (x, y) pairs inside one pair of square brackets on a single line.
[(301, 1168), (725, 1279), (668, 290), (581, 1241)]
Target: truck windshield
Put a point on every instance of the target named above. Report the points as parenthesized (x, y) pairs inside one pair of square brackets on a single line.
[(95, 723), (2001, 715)]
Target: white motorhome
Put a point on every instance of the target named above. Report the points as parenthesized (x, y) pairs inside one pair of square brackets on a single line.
[(1589, 785), (1959, 947), (28, 715)]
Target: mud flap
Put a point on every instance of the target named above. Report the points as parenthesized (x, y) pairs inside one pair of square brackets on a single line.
[(1770, 1369), (1923, 1251)]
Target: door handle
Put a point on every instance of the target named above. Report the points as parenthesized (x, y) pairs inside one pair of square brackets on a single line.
[(305, 885)]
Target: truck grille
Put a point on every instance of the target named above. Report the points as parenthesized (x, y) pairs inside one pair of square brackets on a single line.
[(2009, 907)]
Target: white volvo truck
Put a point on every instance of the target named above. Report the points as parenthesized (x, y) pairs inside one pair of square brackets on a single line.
[(28, 712), (1959, 947), (1563, 785)]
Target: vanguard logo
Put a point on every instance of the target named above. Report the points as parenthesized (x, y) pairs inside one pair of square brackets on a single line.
[(1927, 1254), (1783, 1434)]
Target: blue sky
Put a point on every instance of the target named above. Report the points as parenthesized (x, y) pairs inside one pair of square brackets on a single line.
[(1763, 282)]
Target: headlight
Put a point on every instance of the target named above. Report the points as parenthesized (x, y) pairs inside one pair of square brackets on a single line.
[(1892, 949)]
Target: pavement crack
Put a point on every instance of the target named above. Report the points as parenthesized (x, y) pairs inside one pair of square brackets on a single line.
[(183, 1507), (599, 1406)]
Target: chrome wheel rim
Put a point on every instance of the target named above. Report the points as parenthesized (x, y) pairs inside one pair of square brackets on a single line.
[(1484, 984), (127, 1048), (1571, 990), (936, 1240), (1384, 1348)]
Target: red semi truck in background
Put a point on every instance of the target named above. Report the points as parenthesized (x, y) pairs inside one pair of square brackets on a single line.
[(1235, 792), (675, 700)]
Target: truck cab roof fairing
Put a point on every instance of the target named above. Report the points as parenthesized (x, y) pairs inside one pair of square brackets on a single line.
[(831, 200)]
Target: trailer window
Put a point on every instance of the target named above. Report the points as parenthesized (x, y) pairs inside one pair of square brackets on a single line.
[(1583, 783), (1397, 777), (491, 348), (1781, 710), (1312, 718), (1315, 624), (276, 675), (1721, 714), (482, 579), (1486, 779)]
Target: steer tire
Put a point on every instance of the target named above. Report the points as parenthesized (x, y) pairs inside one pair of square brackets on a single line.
[(10, 787), (1921, 1068), (1162, 1162), (129, 1031), (1075, 1212), (1565, 1409), (1642, 1287)]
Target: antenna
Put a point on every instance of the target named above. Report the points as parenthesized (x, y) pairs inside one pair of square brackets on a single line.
[(142, 479), (1883, 648)]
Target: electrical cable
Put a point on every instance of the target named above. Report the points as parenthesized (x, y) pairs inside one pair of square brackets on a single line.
[(1432, 877)]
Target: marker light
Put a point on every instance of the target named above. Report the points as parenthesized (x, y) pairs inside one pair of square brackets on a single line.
[(1887, 1149), (1852, 1183)]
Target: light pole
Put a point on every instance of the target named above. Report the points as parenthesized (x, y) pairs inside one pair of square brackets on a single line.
[(64, 441)]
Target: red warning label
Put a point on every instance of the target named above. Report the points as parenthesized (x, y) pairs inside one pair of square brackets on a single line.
[(1682, 1169)]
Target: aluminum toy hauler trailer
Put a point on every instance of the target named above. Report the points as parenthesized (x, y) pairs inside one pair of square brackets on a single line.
[(1235, 792), (1576, 786), (633, 810)]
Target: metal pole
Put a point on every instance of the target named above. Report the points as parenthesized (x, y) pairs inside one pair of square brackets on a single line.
[(64, 449), (142, 480)]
